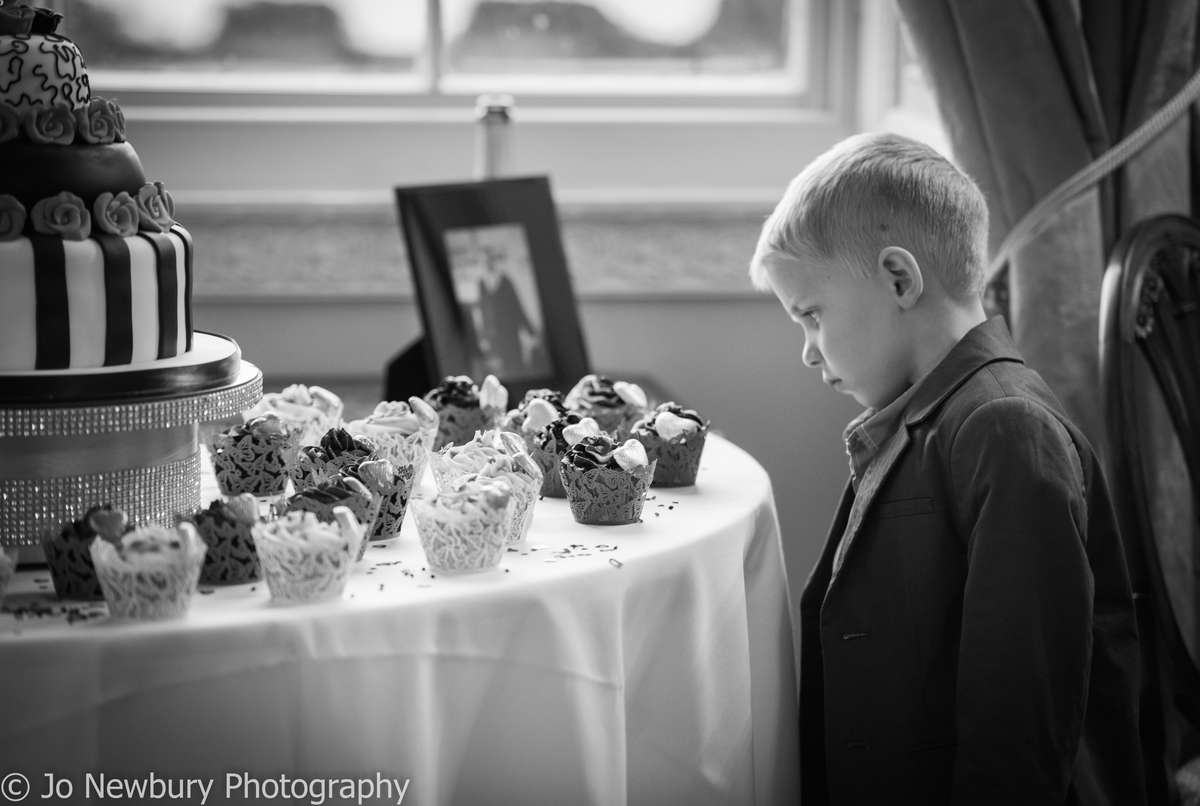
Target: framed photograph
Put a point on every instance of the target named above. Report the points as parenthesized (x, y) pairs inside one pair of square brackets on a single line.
[(492, 285)]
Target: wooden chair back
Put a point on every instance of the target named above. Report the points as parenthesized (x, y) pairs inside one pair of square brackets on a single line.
[(1150, 373)]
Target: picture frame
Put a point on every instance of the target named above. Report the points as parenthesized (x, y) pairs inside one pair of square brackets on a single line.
[(492, 287)]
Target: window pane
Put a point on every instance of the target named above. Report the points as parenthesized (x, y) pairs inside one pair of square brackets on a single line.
[(663, 37), (249, 35)]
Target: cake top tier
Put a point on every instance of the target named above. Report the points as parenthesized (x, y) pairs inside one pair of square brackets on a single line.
[(37, 65)]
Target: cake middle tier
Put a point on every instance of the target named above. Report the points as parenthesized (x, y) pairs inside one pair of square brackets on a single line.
[(104, 301)]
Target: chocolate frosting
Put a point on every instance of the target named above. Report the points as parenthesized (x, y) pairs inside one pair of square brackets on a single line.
[(458, 391)]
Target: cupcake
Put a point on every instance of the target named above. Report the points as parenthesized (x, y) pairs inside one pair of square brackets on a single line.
[(403, 432), (674, 438), (550, 407), (606, 482), (464, 529), (549, 445), (254, 457), (307, 411), (340, 491), (305, 559), (457, 460), (225, 529), (336, 451), (152, 573), (393, 487), (8, 567), (464, 408), (613, 405), (525, 478), (68, 552)]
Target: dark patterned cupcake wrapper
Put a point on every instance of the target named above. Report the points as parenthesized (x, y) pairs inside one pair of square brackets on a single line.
[(391, 514), (678, 462), (458, 425), (552, 483), (310, 474), (251, 467), (231, 557), (605, 497), (71, 569)]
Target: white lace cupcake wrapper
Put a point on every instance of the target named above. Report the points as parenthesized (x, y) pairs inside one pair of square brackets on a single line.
[(147, 594), (463, 545), (524, 499), (303, 572), (606, 497), (678, 461), (402, 450)]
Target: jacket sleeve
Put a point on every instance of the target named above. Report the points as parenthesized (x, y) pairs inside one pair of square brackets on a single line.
[(1026, 638)]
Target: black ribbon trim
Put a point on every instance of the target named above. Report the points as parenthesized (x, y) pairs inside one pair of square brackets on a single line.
[(118, 300), (84, 388), (52, 310), (166, 271), (188, 248)]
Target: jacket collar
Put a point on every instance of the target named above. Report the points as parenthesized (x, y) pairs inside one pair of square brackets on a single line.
[(984, 344)]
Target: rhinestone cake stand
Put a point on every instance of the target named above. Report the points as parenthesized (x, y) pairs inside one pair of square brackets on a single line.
[(137, 451)]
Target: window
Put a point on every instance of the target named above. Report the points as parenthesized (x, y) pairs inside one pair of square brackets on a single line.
[(657, 101), (574, 45)]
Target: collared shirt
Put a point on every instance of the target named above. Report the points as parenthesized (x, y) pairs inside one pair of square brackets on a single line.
[(868, 432)]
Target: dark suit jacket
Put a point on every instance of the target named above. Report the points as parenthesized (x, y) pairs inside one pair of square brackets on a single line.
[(977, 645)]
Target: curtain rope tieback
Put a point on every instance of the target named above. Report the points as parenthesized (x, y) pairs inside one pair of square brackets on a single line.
[(1036, 217)]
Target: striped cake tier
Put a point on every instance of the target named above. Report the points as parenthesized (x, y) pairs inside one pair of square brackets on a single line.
[(103, 301)]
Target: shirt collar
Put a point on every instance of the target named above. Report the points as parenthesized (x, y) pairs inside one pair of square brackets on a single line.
[(866, 434)]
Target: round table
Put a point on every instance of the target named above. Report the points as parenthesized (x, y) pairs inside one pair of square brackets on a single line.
[(641, 664)]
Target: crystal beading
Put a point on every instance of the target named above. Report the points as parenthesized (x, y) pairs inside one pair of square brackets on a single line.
[(29, 506), (131, 415)]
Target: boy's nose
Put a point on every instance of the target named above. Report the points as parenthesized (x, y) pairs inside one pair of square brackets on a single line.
[(811, 356)]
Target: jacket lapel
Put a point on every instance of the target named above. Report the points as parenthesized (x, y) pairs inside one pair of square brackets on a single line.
[(872, 480)]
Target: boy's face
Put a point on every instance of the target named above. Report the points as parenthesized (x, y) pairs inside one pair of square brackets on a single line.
[(852, 328)]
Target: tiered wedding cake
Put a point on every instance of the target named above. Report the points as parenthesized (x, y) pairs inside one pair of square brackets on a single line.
[(102, 377)]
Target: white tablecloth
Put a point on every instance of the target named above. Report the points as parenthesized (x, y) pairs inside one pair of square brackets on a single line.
[(643, 664)]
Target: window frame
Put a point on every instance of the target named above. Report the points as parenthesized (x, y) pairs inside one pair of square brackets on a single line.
[(781, 122)]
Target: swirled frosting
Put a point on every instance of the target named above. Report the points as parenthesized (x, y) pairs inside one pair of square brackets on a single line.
[(454, 390), (603, 451), (669, 421), (397, 416), (301, 527), (600, 392), (471, 496)]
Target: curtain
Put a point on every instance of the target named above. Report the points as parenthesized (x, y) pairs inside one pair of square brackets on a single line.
[(1030, 91)]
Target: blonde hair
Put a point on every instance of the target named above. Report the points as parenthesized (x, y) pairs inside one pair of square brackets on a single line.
[(871, 191)]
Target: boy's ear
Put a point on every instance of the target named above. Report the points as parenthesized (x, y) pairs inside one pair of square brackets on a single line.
[(899, 268)]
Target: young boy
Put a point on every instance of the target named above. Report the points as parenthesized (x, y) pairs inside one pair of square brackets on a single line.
[(967, 635)]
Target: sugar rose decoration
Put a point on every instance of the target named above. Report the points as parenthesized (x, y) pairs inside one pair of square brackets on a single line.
[(100, 122), (12, 218), (10, 123), (156, 209), (48, 124), (116, 215), (64, 215)]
